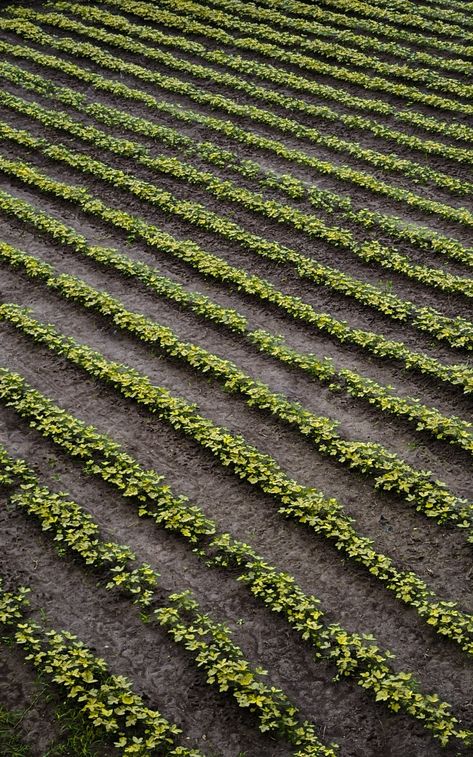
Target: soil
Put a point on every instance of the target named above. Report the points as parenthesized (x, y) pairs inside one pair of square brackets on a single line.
[(67, 596)]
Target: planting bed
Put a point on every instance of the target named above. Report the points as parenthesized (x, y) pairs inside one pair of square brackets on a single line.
[(236, 282)]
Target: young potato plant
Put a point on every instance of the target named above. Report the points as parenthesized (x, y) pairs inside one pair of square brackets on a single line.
[(390, 472), (377, 83), (106, 699), (306, 505), (269, 34), (286, 125), (458, 331), (340, 53), (453, 429), (209, 152), (218, 269), (390, 161), (352, 654), (76, 533)]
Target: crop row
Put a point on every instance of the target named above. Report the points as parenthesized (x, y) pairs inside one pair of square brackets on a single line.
[(76, 533), (343, 173), (317, 15), (322, 17), (125, 42), (423, 238), (388, 161), (390, 472), (322, 49), (454, 130), (450, 14), (331, 49), (106, 699), (457, 331), (196, 213), (435, 10), (352, 121), (218, 269), (304, 504), (354, 77), (211, 646), (403, 19), (455, 430), (264, 17), (419, 173), (352, 654)]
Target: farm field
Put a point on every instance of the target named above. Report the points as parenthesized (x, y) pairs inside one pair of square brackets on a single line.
[(236, 283)]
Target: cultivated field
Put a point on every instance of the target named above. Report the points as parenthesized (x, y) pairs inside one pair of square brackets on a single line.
[(235, 387)]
